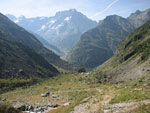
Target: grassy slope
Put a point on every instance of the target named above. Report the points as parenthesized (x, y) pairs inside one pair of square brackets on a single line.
[(21, 57), (21, 66), (131, 59), (78, 89)]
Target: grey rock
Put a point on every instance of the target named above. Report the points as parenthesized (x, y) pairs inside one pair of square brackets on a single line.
[(20, 106), (66, 104), (45, 94), (54, 106), (54, 96)]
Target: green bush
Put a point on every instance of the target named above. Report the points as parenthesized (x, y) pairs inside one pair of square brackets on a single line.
[(8, 84)]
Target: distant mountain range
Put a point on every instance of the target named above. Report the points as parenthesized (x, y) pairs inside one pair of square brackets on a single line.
[(98, 44), (95, 46), (62, 30), (12, 32)]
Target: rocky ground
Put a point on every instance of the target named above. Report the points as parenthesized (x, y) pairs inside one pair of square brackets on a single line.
[(77, 93)]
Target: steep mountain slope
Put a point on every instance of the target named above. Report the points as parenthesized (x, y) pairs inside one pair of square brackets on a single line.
[(62, 30), (19, 61), (131, 59), (13, 32), (11, 17), (98, 44), (48, 45), (139, 17)]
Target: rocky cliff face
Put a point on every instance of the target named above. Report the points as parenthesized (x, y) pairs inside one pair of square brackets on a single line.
[(98, 45), (139, 18)]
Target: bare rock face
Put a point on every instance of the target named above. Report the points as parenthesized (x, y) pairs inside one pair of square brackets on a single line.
[(99, 44), (139, 18)]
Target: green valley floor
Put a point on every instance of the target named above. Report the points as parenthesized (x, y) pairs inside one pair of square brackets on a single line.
[(81, 93)]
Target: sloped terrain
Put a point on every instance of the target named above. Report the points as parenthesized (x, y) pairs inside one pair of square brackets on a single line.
[(48, 45), (80, 93), (13, 32), (19, 61), (98, 45), (139, 18), (131, 59)]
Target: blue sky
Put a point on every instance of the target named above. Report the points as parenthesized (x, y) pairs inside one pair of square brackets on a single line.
[(94, 9)]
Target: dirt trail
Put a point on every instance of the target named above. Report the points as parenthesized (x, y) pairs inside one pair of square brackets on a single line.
[(95, 108), (102, 105), (73, 90), (107, 99), (125, 107), (82, 108), (92, 107)]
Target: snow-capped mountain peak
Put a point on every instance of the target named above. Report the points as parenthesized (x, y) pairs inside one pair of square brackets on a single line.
[(62, 30), (52, 21), (67, 18)]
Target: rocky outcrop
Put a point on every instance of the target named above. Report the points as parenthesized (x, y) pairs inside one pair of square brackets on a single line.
[(34, 108)]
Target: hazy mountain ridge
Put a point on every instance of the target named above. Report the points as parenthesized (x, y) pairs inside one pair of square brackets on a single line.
[(13, 32), (62, 30), (105, 36)]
